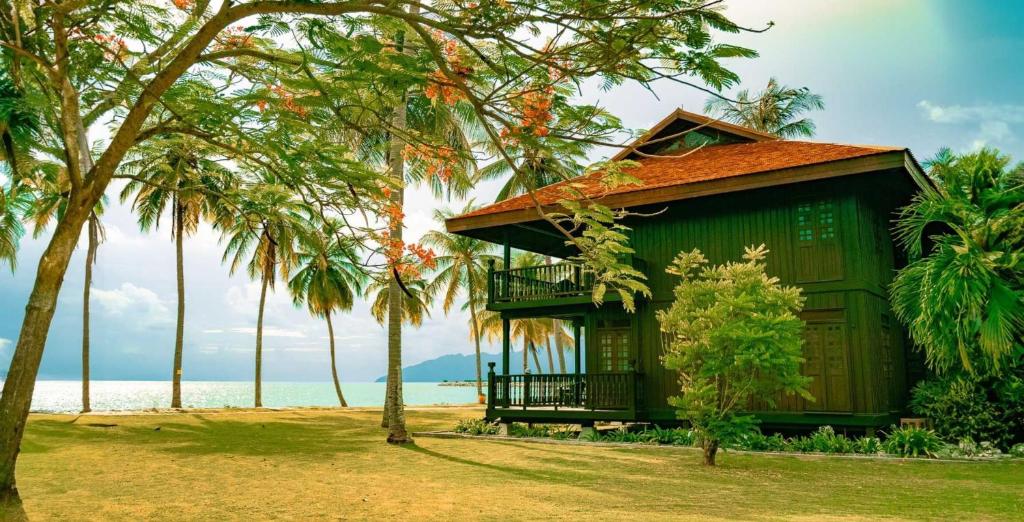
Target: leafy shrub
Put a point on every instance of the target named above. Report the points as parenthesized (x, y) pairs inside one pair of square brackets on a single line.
[(673, 436), (826, 440), (962, 407), (563, 432), (1017, 450), (911, 441), (476, 427), (517, 429), (868, 445), (757, 441), (730, 323)]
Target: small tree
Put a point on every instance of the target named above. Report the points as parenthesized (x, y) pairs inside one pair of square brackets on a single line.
[(732, 334)]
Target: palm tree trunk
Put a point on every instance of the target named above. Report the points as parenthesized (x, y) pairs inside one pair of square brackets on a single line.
[(179, 335), (560, 350), (551, 360), (334, 366), (12, 160), (526, 356), (90, 260), (259, 339), (16, 399), (536, 360), (394, 409), (476, 336)]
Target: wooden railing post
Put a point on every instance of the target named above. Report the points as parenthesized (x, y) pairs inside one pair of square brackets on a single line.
[(526, 390), (490, 385)]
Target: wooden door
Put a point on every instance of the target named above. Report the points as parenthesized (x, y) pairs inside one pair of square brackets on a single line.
[(827, 355)]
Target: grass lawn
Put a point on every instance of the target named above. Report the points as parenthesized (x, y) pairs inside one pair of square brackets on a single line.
[(328, 464)]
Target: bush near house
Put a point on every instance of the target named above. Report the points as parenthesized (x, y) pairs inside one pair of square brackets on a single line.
[(732, 335)]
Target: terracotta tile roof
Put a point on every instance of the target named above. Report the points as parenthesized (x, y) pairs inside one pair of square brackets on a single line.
[(707, 164)]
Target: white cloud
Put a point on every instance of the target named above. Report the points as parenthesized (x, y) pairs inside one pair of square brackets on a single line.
[(213, 331), (994, 122), (135, 305), (269, 331), (4, 343), (971, 113)]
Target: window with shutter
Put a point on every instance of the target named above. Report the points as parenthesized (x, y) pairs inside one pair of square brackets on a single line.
[(817, 240)]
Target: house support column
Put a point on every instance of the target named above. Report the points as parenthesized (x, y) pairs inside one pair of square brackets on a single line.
[(576, 345), (506, 344)]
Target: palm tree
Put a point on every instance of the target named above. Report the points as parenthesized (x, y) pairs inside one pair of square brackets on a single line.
[(775, 110), (96, 236), (561, 338), (535, 168), (960, 295), (413, 114), (176, 172), (260, 234), (416, 297), (462, 265), (532, 332), (327, 281), (50, 187), (19, 127)]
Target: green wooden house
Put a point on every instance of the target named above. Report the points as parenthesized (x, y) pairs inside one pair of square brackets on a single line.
[(824, 210)]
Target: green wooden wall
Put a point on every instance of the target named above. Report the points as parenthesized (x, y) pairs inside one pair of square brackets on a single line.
[(829, 237)]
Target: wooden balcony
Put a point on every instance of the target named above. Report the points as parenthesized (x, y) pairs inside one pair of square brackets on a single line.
[(542, 283), (612, 396)]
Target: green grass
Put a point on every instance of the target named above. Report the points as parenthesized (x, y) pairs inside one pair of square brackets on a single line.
[(328, 464)]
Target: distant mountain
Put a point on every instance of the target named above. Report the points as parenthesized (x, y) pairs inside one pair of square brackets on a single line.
[(462, 367)]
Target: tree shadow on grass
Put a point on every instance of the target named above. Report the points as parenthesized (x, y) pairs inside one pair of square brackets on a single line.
[(311, 436), (11, 509), (553, 476)]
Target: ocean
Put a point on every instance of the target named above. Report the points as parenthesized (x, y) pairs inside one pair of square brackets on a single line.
[(66, 396)]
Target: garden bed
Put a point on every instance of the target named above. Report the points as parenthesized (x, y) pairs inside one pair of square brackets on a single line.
[(900, 443)]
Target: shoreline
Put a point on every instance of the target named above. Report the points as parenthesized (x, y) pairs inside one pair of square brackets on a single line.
[(284, 409)]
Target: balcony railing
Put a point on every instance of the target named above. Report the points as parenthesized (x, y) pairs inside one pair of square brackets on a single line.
[(592, 391), (539, 282)]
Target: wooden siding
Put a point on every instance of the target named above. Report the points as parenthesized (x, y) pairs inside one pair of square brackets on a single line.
[(854, 346)]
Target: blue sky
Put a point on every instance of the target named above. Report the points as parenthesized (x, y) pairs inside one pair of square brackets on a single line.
[(922, 74)]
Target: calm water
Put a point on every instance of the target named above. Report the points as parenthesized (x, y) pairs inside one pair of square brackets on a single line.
[(66, 396)]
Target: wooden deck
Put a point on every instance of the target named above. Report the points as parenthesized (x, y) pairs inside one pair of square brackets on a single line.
[(597, 396)]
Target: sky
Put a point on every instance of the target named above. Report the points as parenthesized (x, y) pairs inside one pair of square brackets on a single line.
[(914, 73)]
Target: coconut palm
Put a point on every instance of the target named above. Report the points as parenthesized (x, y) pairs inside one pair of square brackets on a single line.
[(19, 127), (416, 296), (260, 232), (327, 281), (13, 207), (775, 110), (960, 295), (532, 170), (531, 332), (179, 174), (445, 127), (49, 186), (461, 266)]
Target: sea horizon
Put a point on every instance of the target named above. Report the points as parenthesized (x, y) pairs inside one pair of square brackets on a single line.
[(106, 395)]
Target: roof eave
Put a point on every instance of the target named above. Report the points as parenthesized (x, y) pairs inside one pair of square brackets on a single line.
[(833, 169)]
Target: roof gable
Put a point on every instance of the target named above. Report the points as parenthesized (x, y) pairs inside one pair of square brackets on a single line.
[(682, 130)]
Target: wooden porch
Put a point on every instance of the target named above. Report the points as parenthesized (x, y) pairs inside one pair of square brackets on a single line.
[(564, 396)]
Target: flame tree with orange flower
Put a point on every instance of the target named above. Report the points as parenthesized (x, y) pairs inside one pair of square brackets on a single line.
[(165, 68)]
